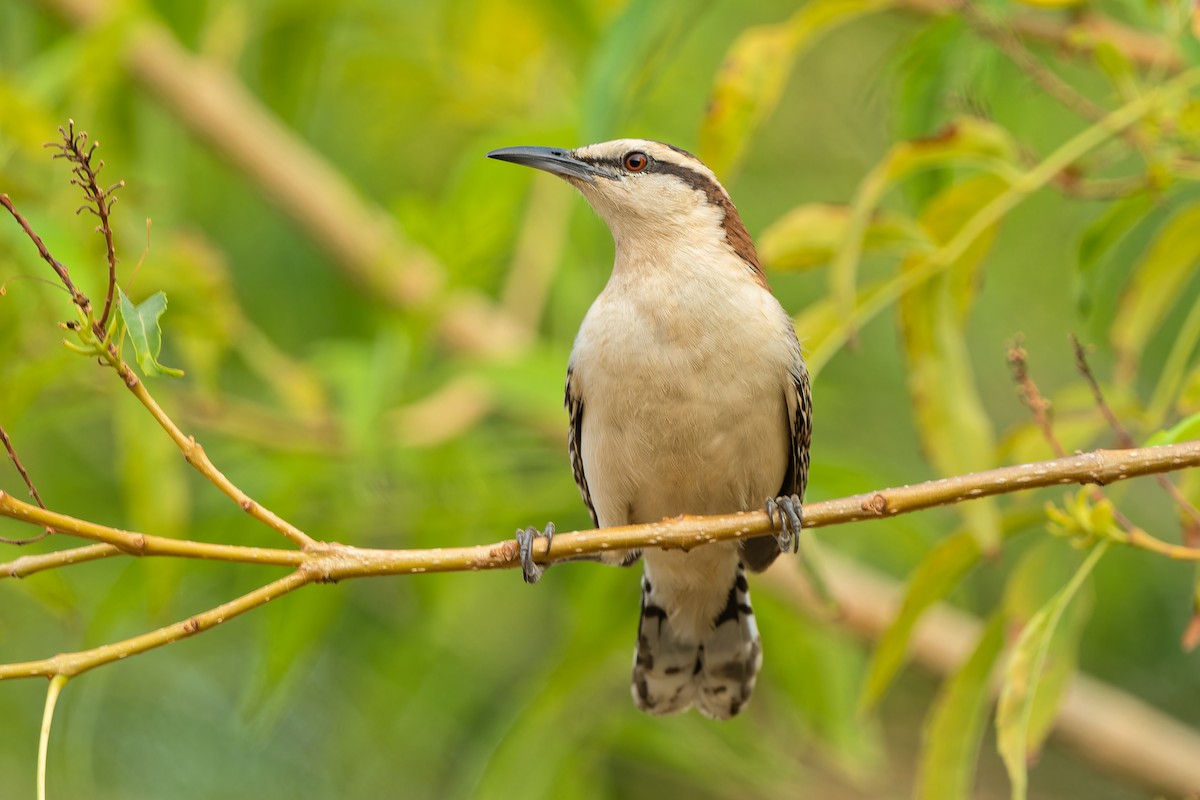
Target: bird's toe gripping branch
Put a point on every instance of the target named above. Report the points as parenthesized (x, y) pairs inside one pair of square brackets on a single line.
[(791, 520), (525, 538)]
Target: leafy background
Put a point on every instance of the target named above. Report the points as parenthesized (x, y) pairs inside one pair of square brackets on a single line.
[(356, 418)]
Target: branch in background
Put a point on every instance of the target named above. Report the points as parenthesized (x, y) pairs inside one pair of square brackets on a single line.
[(33, 492), (1028, 392), (1077, 34), (358, 236), (1009, 43)]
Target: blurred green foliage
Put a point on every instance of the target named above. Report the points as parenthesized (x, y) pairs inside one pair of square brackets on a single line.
[(856, 140)]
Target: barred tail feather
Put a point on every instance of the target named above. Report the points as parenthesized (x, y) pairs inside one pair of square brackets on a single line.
[(716, 673)]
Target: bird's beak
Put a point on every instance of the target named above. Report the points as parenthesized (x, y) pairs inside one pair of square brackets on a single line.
[(551, 159)]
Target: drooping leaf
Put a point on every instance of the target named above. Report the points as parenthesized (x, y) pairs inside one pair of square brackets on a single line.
[(954, 728), (1101, 237), (938, 573), (1036, 676), (1155, 285), (809, 236), (953, 426), (635, 41), (1174, 373), (1117, 67), (754, 72), (823, 328), (968, 141), (1185, 430), (141, 323)]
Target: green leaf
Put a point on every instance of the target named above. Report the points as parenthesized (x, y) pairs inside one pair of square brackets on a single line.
[(951, 421), (938, 573), (754, 72), (633, 46), (141, 323), (1117, 68), (954, 729), (968, 141), (1155, 285), (1185, 430), (1034, 680), (1101, 237), (809, 236)]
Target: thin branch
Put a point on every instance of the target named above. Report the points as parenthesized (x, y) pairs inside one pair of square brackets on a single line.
[(358, 236), (72, 664), (1040, 407), (1006, 40), (1032, 398), (52, 693), (335, 561), (194, 453), (1132, 535), (118, 542), (99, 201), (1076, 34), (1021, 187), (33, 492), (1124, 439), (192, 450), (28, 565), (77, 297), (328, 561)]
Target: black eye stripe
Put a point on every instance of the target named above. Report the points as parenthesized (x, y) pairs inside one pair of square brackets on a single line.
[(693, 178)]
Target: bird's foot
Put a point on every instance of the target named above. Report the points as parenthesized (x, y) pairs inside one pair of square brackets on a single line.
[(525, 538), (791, 520)]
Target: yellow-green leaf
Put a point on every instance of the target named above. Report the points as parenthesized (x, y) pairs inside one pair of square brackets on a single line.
[(954, 428), (1184, 430), (937, 574), (754, 72), (1052, 3), (141, 323), (809, 236), (954, 729), (1102, 236), (1117, 67), (968, 141), (1156, 283), (1034, 680)]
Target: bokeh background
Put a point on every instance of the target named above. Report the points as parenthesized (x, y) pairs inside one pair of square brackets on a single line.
[(400, 386)]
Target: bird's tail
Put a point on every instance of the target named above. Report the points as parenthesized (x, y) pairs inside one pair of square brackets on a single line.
[(715, 672)]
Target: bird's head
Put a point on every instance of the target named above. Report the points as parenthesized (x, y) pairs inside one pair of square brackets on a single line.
[(643, 188)]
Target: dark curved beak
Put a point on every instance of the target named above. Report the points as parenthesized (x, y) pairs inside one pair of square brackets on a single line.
[(550, 159)]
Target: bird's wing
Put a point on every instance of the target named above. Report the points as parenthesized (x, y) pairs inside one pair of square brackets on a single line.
[(761, 551), (800, 411), (573, 400)]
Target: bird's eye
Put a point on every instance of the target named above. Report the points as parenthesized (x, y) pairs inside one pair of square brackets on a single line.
[(636, 161)]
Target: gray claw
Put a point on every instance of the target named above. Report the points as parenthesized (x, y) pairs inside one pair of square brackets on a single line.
[(525, 537), (791, 520)]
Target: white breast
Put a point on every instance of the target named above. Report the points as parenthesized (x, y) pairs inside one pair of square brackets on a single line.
[(683, 388)]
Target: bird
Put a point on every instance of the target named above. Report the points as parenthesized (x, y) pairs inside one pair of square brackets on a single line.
[(686, 393)]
